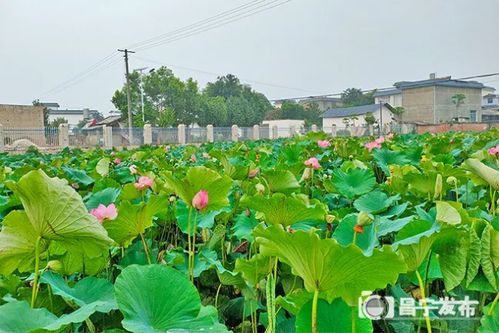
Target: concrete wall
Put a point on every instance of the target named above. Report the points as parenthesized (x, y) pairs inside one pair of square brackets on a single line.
[(329, 122), (445, 108), (418, 105), (73, 119), (393, 100), (21, 116), (442, 128)]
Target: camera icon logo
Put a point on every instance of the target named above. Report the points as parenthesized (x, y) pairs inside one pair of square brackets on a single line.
[(376, 307)]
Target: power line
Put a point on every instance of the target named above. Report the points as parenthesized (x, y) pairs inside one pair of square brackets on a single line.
[(218, 74), (103, 63), (478, 76), (214, 25), (206, 20)]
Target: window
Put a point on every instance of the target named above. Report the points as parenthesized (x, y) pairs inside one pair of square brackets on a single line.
[(473, 116), (490, 100)]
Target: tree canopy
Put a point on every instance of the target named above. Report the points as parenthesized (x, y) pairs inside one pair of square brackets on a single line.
[(169, 101), (355, 97)]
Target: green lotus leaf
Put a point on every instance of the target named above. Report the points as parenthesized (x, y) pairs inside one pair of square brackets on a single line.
[(102, 167), (335, 317), (446, 213), (474, 255), (89, 291), (244, 225), (325, 265), (366, 240), (157, 299), (491, 176), (385, 157), (201, 178), (104, 197), (18, 316), (78, 176), (286, 210), (281, 181), (353, 182), (203, 219), (54, 212), (254, 269), (374, 202), (490, 320), (489, 252), (133, 220)]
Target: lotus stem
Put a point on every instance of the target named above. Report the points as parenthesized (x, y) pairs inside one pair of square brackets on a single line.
[(494, 302), (353, 320), (146, 249), (423, 297), (314, 310), (354, 239), (216, 295), (189, 245), (34, 291), (90, 325), (193, 244)]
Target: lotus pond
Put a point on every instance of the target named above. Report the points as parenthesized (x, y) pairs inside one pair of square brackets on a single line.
[(309, 234)]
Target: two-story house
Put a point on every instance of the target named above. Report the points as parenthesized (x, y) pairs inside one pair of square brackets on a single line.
[(438, 100)]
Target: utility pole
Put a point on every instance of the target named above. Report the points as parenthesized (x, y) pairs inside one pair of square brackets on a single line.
[(128, 96), (380, 117)]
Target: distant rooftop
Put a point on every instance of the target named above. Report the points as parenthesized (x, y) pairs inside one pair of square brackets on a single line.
[(387, 92), (353, 111), (441, 82), (50, 105), (71, 112), (321, 99)]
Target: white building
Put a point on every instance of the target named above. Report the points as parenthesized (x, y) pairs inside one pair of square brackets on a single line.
[(355, 116), (390, 96), (72, 116)]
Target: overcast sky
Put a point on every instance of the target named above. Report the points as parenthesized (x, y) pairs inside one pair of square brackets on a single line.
[(300, 48)]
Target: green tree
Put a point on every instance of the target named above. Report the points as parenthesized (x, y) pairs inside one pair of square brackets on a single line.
[(369, 118), (239, 111), (355, 97), (58, 121), (312, 114), (213, 111), (458, 99), (225, 86), (292, 110)]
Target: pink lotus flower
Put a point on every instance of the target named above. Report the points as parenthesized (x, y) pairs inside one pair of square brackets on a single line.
[(494, 150), (380, 140), (102, 212), (117, 161), (313, 163), (323, 143), (193, 158), (113, 153), (371, 145), (200, 200), (206, 155), (133, 169), (143, 183), (253, 172)]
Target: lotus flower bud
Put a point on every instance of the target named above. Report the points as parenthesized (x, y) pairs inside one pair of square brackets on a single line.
[(200, 200), (330, 218), (451, 180), (306, 174), (172, 198), (55, 265), (438, 186), (364, 219), (260, 188)]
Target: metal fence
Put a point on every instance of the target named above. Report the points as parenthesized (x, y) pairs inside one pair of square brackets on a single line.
[(22, 138), (107, 137)]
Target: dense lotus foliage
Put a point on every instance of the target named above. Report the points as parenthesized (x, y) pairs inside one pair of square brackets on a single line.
[(274, 236)]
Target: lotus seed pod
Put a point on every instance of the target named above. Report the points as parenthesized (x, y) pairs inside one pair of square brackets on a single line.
[(451, 180), (330, 218), (364, 219), (260, 188)]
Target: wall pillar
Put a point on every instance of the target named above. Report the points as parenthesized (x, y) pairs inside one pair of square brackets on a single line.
[(63, 135), (2, 140), (234, 133), (107, 133), (371, 130), (313, 128), (256, 132), (275, 132), (333, 130), (210, 137), (147, 134), (404, 129), (181, 134)]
